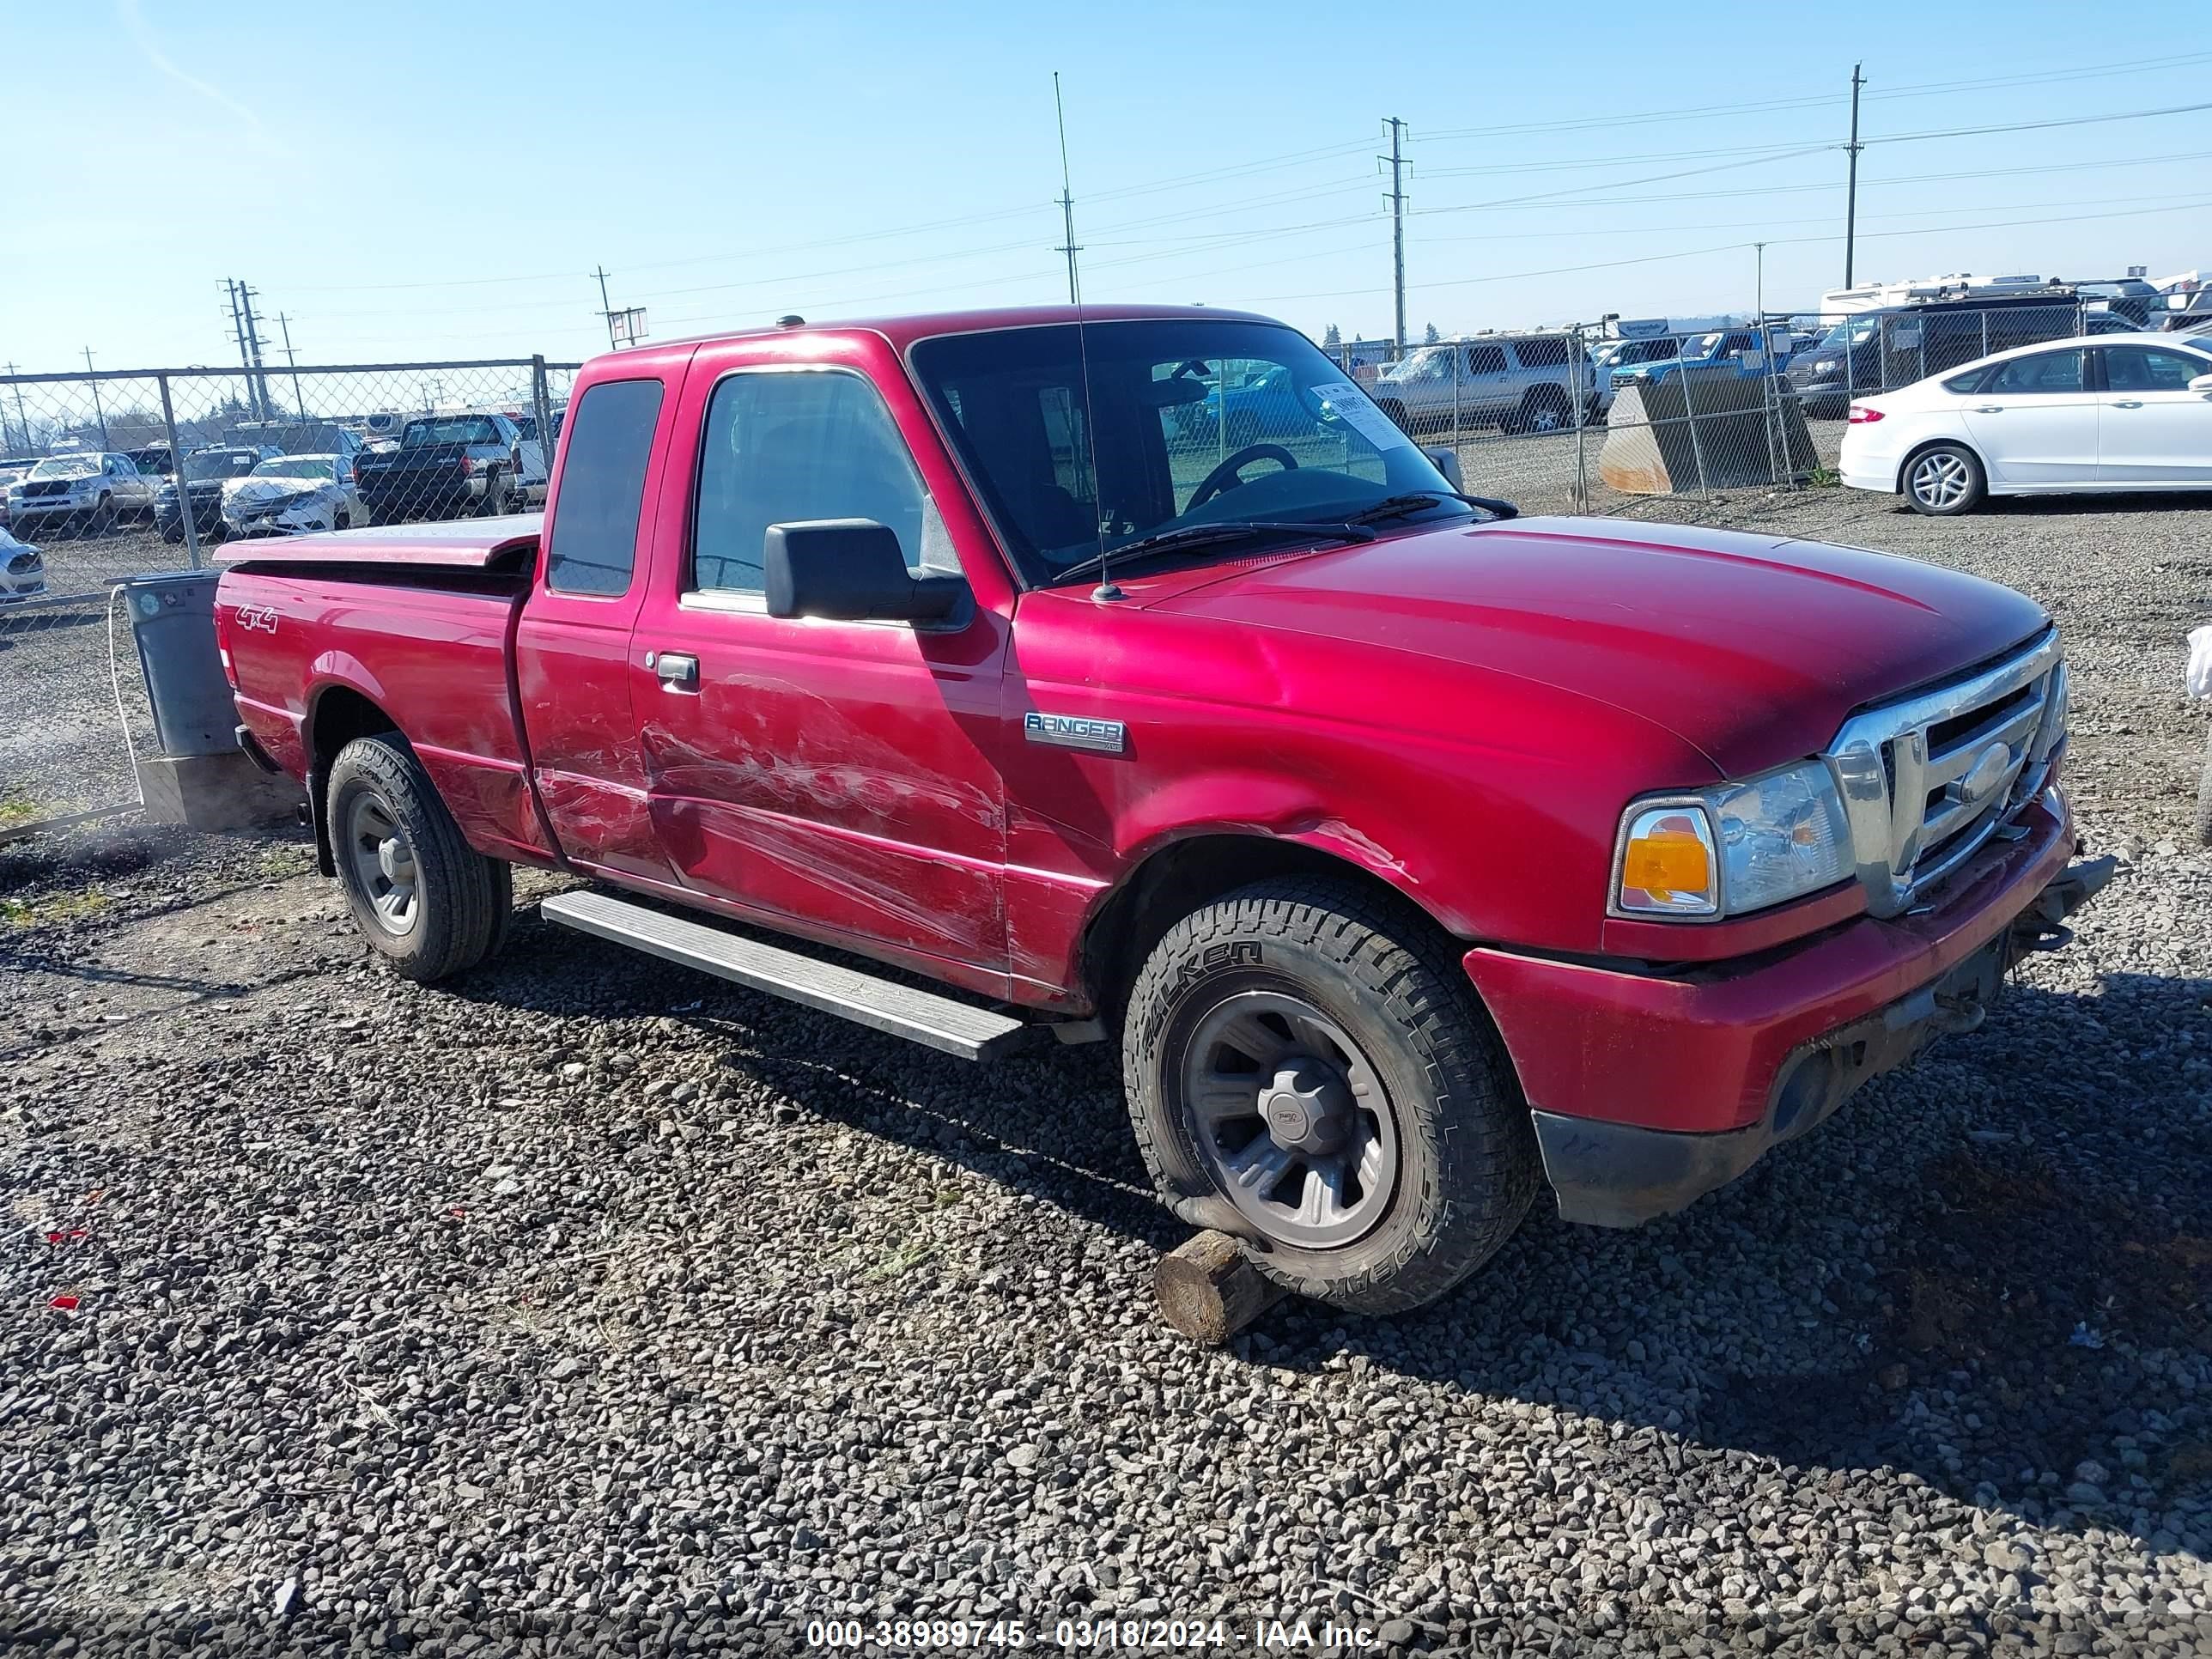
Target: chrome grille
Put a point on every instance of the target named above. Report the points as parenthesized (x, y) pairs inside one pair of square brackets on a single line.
[(1929, 779)]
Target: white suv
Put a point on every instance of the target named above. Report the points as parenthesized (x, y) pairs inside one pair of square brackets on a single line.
[(1515, 382)]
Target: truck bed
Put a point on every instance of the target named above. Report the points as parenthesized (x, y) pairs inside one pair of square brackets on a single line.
[(421, 616), (498, 544)]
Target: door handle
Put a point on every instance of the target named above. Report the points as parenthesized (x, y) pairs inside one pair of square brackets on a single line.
[(1990, 409), (2128, 403), (678, 671)]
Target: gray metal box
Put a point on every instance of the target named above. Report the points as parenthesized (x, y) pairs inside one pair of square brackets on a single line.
[(173, 622)]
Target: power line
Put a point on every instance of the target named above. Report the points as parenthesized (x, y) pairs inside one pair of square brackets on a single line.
[(1734, 247), (2039, 126)]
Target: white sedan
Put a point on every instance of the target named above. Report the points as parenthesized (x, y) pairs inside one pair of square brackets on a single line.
[(2103, 413), (292, 496)]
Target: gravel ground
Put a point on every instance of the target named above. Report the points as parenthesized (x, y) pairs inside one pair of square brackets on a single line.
[(591, 1306), (55, 661)]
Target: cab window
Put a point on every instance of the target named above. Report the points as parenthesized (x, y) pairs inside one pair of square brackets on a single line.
[(593, 549), (786, 446)]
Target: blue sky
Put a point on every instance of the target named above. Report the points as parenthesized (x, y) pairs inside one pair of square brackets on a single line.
[(405, 183)]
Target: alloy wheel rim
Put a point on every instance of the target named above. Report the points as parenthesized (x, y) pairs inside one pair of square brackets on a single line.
[(1940, 480), (384, 866), (1291, 1120)]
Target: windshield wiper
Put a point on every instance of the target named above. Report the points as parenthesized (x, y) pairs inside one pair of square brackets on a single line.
[(1185, 536), (1395, 506)]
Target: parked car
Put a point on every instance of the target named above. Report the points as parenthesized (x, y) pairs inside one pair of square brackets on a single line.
[(84, 494), (23, 569), (13, 471), (1516, 383), (154, 460), (206, 473), (1876, 351), (534, 457), (1415, 856), (1749, 354), (1628, 353), (444, 466), (2103, 412), (292, 496)]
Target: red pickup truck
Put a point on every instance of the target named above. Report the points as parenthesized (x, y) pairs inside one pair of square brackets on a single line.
[(1414, 854)]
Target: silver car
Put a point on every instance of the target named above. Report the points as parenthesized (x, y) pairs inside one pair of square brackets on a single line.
[(1515, 382), (82, 494)]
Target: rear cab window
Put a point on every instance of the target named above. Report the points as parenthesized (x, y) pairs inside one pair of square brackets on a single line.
[(591, 548)]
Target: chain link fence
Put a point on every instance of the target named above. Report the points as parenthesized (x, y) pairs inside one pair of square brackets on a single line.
[(1624, 418), (122, 473), (105, 475)]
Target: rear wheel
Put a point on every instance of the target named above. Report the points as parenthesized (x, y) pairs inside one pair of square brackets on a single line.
[(1307, 1068), (1545, 409), (1945, 480), (428, 902)]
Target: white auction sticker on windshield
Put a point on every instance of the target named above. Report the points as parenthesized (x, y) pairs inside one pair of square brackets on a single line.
[(1351, 405)]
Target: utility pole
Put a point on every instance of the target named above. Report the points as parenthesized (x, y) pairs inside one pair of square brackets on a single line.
[(1397, 200), (237, 333), (285, 324), (266, 409), (1066, 199), (98, 414), (605, 310), (1851, 190)]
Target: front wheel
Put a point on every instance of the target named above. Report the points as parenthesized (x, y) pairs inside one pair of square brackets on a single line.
[(428, 902), (1309, 1064), (1945, 480)]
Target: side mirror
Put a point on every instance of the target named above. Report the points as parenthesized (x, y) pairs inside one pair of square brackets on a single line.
[(852, 570), (2201, 383), (1446, 461)]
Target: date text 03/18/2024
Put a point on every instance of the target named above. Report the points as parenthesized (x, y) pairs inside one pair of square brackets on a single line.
[(943, 1635)]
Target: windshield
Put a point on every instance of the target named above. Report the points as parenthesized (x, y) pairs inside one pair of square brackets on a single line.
[(461, 429), (219, 463), (294, 466), (1847, 334), (66, 466), (1302, 445), (1428, 363)]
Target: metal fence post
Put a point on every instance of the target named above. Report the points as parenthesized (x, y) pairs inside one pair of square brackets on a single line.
[(541, 406), (1690, 414), (183, 487), (1582, 423)]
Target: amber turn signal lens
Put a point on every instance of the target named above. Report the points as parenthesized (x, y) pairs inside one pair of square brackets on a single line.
[(1668, 861), (1666, 864)]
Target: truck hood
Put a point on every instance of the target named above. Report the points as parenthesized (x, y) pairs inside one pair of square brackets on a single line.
[(1753, 649)]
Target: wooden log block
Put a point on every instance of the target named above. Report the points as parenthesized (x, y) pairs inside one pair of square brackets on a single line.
[(1209, 1291)]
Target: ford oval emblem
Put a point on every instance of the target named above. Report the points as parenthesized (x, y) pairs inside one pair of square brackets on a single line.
[(1987, 773)]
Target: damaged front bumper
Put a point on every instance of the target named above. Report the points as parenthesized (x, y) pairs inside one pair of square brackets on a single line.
[(1648, 1090)]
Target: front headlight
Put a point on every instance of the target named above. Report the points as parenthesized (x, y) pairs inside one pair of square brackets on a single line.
[(1733, 848)]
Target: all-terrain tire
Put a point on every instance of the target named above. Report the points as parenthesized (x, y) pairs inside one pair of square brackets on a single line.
[(460, 899), (1466, 1150)]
